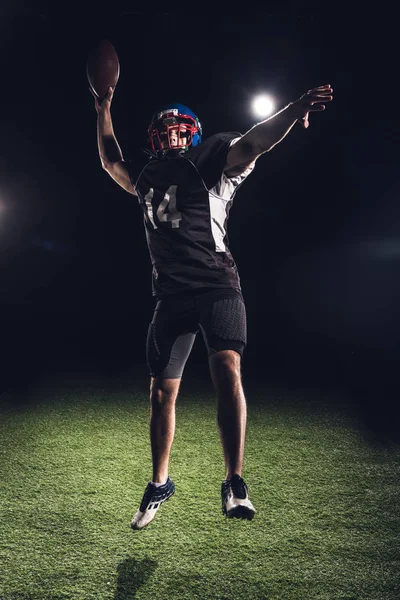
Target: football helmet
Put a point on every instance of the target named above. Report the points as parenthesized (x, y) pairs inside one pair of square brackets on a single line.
[(174, 120)]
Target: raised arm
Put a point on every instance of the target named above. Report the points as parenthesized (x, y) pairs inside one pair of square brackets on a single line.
[(263, 136), (110, 153)]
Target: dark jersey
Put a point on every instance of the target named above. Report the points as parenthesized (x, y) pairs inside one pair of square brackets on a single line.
[(186, 200)]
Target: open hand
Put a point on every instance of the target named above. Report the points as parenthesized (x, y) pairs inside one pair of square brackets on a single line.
[(101, 104), (313, 100)]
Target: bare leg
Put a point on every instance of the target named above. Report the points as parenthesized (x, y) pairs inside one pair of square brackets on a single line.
[(163, 393), (232, 410)]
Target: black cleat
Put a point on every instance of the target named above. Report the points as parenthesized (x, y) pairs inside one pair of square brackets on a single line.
[(235, 499), (152, 499)]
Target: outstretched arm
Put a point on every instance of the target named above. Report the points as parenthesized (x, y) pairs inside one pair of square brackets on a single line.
[(265, 135), (109, 151)]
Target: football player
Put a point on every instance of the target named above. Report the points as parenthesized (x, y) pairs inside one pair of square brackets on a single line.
[(185, 191)]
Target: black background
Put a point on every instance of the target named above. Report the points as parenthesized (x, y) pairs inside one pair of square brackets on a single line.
[(315, 230)]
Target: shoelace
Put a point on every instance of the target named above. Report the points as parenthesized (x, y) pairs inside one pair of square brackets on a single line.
[(155, 494), (239, 487)]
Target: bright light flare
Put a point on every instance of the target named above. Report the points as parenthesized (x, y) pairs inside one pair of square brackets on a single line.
[(263, 106)]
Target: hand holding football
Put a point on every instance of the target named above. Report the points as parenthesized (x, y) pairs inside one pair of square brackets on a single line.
[(102, 68)]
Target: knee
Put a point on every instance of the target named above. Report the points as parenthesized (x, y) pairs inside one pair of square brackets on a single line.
[(226, 366), (163, 392)]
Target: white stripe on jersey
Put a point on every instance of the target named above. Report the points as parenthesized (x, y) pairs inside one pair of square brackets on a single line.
[(220, 197), (148, 198)]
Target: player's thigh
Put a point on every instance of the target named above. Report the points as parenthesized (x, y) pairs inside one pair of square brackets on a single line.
[(223, 322), (170, 339)]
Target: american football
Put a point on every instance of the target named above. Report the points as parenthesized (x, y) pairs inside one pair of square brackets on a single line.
[(102, 68)]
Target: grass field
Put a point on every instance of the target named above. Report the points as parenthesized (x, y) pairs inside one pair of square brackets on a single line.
[(75, 460)]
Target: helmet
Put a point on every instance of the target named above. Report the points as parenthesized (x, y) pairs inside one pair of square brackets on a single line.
[(177, 118)]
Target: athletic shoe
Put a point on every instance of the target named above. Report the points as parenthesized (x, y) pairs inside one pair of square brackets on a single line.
[(152, 499), (235, 499)]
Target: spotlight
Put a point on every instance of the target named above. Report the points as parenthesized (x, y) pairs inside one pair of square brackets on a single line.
[(263, 106)]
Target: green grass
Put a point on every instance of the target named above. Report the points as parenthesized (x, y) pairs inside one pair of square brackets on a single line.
[(75, 460)]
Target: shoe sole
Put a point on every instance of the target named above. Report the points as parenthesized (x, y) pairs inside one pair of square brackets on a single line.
[(240, 512)]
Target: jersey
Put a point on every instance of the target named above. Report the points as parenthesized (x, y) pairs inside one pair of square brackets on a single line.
[(186, 199)]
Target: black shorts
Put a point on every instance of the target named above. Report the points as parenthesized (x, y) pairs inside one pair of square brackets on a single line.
[(219, 314)]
